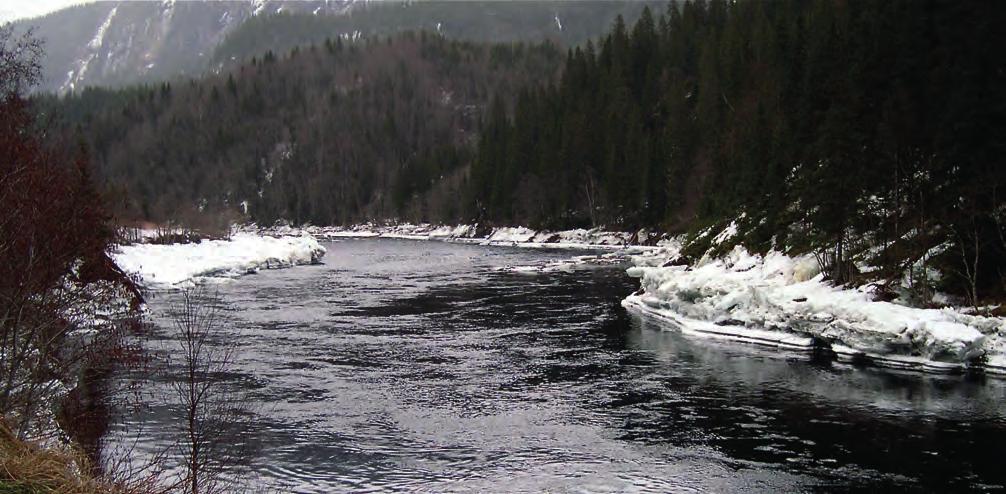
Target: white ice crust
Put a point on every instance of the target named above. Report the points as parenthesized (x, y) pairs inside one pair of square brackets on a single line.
[(511, 236), (784, 301), (179, 265)]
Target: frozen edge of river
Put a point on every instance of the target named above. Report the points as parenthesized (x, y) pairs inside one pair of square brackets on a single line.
[(773, 300), (781, 301), (183, 265), (595, 238)]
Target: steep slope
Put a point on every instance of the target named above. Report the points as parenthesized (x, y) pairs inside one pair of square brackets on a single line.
[(121, 42), (117, 43), (339, 133), (565, 23)]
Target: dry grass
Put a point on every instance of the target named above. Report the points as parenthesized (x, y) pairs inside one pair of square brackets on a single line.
[(27, 468)]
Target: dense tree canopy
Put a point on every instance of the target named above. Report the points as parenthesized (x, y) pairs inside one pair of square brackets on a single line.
[(865, 131), (336, 133), (822, 124)]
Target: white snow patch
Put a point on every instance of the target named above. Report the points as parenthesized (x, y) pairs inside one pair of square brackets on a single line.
[(729, 232), (259, 7), (177, 265), (76, 75), (566, 265), (99, 37)]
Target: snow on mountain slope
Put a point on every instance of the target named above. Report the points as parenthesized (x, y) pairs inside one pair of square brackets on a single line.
[(123, 42), (116, 43)]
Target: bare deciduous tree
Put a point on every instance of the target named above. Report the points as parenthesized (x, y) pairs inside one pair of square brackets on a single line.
[(214, 413), (59, 292)]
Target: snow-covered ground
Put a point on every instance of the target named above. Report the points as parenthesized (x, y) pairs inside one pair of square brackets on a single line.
[(178, 265), (513, 236), (783, 301)]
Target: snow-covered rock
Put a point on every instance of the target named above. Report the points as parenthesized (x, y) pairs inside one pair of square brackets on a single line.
[(163, 266), (785, 302)]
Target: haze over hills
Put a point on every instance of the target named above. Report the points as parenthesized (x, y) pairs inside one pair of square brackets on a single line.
[(118, 43)]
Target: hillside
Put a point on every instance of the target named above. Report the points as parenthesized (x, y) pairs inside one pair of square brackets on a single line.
[(862, 132), (337, 133), (563, 22), (118, 43)]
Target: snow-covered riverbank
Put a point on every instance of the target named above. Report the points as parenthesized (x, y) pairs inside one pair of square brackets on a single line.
[(510, 236), (782, 301), (176, 265), (774, 300)]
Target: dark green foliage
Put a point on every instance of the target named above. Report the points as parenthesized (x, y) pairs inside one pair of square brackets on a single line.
[(483, 21), (866, 131), (833, 126), (332, 134)]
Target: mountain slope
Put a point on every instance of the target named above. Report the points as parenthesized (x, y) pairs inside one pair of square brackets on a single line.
[(564, 22), (332, 134), (119, 43)]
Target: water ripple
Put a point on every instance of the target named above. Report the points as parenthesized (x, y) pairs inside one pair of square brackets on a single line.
[(419, 367)]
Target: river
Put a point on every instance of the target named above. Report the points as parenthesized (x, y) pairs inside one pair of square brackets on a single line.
[(419, 366)]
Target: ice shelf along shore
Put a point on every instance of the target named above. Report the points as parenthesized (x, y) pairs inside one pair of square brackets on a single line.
[(180, 265), (477, 234), (782, 301)]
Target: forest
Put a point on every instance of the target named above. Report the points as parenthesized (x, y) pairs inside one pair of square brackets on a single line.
[(806, 192), (863, 131), (329, 134), (562, 22)]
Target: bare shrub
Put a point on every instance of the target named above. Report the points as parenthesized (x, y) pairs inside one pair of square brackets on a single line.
[(215, 414)]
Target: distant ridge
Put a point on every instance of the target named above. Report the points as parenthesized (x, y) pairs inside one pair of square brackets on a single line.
[(118, 43)]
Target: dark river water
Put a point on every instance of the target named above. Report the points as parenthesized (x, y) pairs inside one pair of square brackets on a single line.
[(419, 366)]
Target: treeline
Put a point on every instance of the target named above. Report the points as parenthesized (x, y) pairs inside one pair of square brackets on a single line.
[(63, 302), (336, 133), (866, 131), (563, 22)]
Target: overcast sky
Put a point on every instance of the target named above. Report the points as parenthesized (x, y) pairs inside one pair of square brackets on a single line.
[(18, 9)]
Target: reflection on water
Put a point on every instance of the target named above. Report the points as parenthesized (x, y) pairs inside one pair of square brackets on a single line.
[(403, 365)]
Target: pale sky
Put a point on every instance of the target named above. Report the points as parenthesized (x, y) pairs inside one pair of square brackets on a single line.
[(18, 9)]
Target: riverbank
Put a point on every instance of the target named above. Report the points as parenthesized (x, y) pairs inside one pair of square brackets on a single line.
[(782, 301), (771, 300), (596, 238)]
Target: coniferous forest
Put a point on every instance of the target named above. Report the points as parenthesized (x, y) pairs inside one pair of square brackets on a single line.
[(674, 255), (847, 128)]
